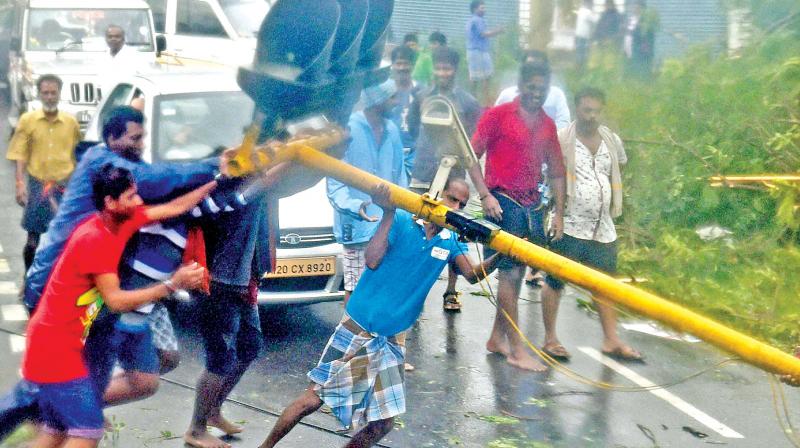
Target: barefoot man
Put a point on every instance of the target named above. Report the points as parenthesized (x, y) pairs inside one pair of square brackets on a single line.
[(517, 138)]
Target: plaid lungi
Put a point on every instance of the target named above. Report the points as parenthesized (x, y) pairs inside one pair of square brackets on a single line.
[(360, 375), (354, 264), (162, 329)]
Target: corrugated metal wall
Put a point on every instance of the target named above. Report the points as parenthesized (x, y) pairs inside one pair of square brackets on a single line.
[(689, 22), (683, 22), (447, 16)]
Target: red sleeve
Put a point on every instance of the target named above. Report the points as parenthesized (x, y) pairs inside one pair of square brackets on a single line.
[(132, 225), (486, 132), (555, 159)]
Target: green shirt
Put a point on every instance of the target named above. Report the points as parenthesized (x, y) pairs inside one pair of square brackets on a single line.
[(423, 69)]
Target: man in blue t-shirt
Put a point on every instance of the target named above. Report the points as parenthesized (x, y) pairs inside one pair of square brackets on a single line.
[(479, 50), (360, 373)]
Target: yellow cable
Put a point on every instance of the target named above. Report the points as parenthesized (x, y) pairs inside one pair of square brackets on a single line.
[(784, 421), (567, 371), (786, 425)]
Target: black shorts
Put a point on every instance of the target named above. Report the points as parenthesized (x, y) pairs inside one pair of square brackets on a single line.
[(520, 221), (594, 254), (230, 328)]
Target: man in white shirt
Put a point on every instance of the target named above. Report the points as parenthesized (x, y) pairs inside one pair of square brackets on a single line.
[(593, 155), (555, 105), (122, 60)]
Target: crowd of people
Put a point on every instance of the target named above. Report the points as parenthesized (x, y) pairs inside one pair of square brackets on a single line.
[(204, 231), (611, 33)]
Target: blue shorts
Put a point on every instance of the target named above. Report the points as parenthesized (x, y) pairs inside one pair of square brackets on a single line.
[(73, 408), (230, 328), (110, 342), (17, 406), (524, 222), (594, 254), (479, 64), (135, 350)]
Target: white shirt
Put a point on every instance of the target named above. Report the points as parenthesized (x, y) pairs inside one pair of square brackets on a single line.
[(126, 62), (588, 214), (584, 22), (627, 43), (555, 105)]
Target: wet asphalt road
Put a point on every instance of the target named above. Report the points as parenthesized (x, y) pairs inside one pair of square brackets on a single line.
[(459, 395)]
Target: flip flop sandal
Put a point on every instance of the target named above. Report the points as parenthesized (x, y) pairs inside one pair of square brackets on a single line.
[(620, 354), (535, 282), (451, 302), (557, 352)]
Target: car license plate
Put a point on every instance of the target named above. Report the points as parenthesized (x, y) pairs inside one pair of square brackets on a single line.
[(303, 267)]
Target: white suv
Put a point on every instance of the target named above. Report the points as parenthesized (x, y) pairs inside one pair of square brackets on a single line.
[(210, 31), (67, 38)]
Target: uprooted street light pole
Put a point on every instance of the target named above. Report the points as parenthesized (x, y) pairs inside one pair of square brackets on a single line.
[(307, 152)]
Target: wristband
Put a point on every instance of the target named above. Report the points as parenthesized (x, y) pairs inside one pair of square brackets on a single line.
[(171, 286)]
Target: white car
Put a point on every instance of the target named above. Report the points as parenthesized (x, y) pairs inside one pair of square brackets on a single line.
[(190, 116)]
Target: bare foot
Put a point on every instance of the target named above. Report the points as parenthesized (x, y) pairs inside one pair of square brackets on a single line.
[(526, 362), (203, 440), (224, 425), (501, 348)]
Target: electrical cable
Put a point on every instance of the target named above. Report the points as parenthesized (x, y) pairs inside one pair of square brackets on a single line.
[(490, 295), (787, 428), (779, 401)]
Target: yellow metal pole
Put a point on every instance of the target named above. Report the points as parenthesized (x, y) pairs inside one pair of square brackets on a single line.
[(757, 178), (744, 181), (749, 349)]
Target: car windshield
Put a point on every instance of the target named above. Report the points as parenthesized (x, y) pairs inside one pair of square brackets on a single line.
[(83, 30), (246, 15), (196, 125)]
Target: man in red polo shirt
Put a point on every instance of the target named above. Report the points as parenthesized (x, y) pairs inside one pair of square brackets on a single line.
[(517, 138)]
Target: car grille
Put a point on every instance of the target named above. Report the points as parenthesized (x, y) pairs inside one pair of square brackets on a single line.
[(306, 237), (82, 93)]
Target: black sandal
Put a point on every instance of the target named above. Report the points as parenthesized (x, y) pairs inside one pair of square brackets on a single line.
[(451, 302)]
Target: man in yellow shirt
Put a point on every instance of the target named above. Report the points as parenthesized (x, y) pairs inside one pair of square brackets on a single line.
[(43, 145)]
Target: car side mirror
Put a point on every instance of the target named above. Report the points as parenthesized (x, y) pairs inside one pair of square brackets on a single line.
[(161, 44), (15, 44)]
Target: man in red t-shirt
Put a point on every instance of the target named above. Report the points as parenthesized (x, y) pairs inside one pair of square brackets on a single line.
[(517, 138), (83, 280)]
